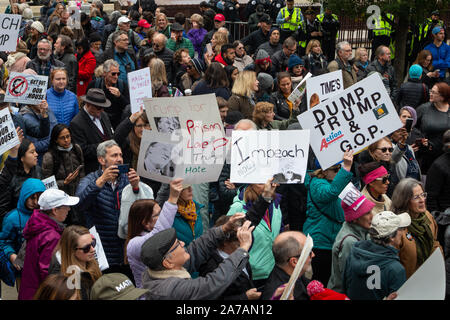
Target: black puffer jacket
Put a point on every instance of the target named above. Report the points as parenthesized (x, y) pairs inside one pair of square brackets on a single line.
[(438, 184), (412, 94), (280, 106)]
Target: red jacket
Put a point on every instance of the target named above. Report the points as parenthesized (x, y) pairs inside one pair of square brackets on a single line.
[(86, 67), (220, 59)]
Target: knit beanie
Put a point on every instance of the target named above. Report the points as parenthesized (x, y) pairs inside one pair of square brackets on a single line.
[(262, 56), (273, 29), (436, 30), (265, 81), (199, 65), (415, 71), (317, 291), (295, 60), (38, 26)]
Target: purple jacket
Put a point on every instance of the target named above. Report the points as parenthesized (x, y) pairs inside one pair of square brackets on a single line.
[(165, 221), (196, 36), (42, 234)]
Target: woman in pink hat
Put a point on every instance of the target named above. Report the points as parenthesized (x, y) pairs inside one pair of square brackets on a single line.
[(376, 180)]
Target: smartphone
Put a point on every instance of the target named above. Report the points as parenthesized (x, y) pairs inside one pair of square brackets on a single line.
[(408, 125), (79, 168), (209, 48), (123, 168)]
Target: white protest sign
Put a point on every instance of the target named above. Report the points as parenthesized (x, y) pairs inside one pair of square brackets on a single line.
[(428, 282), (256, 156), (299, 90), (8, 134), (187, 140), (359, 116), (307, 248), (26, 88), (323, 87), (100, 255), (9, 31), (74, 21), (50, 183), (140, 86)]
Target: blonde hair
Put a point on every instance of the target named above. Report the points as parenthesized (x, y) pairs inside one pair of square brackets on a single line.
[(260, 111), (158, 71), (221, 39), (243, 85), (311, 44), (358, 53)]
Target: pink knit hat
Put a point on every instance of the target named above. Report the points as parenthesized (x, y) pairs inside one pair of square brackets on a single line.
[(354, 203)]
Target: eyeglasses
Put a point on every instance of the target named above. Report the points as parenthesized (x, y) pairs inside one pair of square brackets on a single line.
[(115, 73), (172, 250), (422, 195), (384, 150), (87, 247), (384, 179)]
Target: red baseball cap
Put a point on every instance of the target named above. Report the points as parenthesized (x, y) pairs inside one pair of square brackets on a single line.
[(144, 24), (219, 17)]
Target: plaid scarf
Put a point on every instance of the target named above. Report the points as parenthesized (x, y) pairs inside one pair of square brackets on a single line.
[(189, 213)]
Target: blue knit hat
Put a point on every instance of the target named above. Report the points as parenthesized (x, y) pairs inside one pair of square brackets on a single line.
[(415, 71), (295, 60), (436, 30)]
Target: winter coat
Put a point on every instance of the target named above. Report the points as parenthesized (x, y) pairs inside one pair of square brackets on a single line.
[(269, 48), (203, 88), (178, 284), (280, 61), (86, 67), (42, 234), (349, 76), (254, 40), (133, 37), (241, 104), (280, 106), (261, 256), (63, 104), (62, 163), (349, 234), (316, 64), (365, 254), (185, 43), (35, 64), (98, 24), (324, 228), (279, 277), (441, 57), (438, 184), (443, 221), (412, 93), (196, 36), (242, 62), (387, 73), (166, 55), (164, 222), (101, 207), (184, 231), (380, 206), (281, 124), (11, 238)]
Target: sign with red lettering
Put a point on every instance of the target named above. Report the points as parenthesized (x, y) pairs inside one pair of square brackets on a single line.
[(187, 140), (140, 87), (26, 88)]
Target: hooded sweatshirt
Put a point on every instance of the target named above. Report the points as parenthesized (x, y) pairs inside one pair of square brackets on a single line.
[(361, 271), (11, 234), (42, 234)]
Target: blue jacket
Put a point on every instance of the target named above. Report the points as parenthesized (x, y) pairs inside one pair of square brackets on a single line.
[(184, 231), (64, 105), (363, 262), (102, 210), (441, 57), (322, 229), (11, 234)]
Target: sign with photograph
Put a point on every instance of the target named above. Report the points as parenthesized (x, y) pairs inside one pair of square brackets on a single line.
[(299, 90), (321, 88)]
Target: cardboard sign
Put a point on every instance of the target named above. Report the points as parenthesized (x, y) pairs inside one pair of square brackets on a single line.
[(354, 119), (50, 183), (140, 86), (100, 255), (323, 87), (187, 140), (26, 88), (8, 134), (428, 282), (299, 90), (9, 31), (256, 156)]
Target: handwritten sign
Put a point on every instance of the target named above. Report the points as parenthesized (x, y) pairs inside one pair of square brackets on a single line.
[(323, 87), (26, 88), (9, 31), (140, 86), (50, 183), (8, 134), (359, 116), (256, 156), (187, 140), (100, 255)]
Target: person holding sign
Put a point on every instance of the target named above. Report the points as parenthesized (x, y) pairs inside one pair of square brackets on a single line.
[(75, 252), (324, 214), (263, 116), (376, 180)]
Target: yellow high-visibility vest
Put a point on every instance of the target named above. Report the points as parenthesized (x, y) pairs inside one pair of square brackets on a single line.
[(382, 27), (296, 18)]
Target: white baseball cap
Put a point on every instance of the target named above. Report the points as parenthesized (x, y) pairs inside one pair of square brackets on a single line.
[(387, 222), (123, 19), (54, 198)]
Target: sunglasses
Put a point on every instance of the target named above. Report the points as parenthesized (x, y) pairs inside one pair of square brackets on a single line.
[(87, 247), (115, 73), (384, 150), (384, 179)]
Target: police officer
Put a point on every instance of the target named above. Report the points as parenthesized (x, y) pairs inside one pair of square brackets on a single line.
[(425, 35), (289, 19), (329, 25), (275, 7), (381, 34), (250, 7), (231, 10), (308, 30)]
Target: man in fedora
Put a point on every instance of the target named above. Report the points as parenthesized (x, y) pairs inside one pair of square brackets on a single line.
[(92, 126), (177, 41)]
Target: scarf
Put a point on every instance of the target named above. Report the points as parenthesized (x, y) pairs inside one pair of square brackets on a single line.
[(189, 213), (64, 149), (420, 229)]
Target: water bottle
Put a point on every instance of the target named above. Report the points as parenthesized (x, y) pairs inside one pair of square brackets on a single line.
[(170, 89)]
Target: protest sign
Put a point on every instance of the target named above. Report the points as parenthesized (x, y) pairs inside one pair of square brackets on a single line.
[(257, 156), (100, 255), (140, 87), (307, 248), (8, 134), (50, 183), (323, 87), (428, 282), (9, 31), (26, 88), (187, 140), (74, 20), (299, 90), (359, 116)]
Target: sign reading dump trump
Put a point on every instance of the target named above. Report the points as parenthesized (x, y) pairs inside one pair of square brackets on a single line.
[(323, 87), (8, 134), (26, 88), (257, 156), (186, 140), (9, 31), (359, 116)]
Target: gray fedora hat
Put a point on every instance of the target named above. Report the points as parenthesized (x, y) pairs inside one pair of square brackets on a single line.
[(96, 97)]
